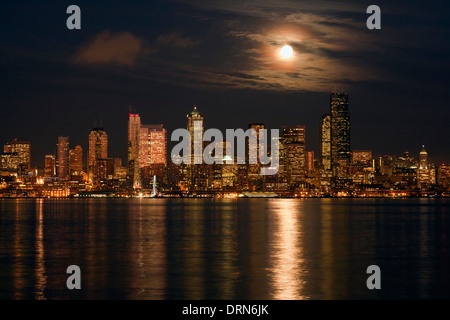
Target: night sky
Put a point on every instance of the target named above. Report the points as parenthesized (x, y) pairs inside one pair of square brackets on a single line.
[(162, 57)]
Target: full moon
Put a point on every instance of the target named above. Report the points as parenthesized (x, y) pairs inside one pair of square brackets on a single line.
[(287, 51)]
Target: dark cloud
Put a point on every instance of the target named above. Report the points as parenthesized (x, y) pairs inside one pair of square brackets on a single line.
[(176, 40), (106, 48)]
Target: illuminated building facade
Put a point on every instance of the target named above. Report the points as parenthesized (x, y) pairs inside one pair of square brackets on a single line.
[(325, 142), (295, 153), (426, 175), (49, 166), (310, 161), (134, 127), (120, 172), (196, 174), (103, 169), (9, 161), (253, 148), (362, 157), (98, 147), (62, 157), (23, 151), (152, 145), (195, 128), (340, 127), (76, 161), (423, 158), (443, 176)]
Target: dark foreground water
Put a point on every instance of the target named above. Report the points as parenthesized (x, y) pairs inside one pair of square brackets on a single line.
[(225, 249)]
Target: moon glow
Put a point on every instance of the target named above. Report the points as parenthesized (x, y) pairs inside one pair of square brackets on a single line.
[(286, 51)]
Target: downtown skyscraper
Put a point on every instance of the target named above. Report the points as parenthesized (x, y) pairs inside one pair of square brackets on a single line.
[(195, 128), (295, 153), (76, 161), (152, 145), (22, 149), (62, 157), (325, 142), (98, 146), (134, 128), (340, 128)]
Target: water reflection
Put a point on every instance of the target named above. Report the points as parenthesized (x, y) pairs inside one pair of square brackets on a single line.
[(18, 257), (326, 252), (287, 247), (146, 254), (41, 278), (224, 249)]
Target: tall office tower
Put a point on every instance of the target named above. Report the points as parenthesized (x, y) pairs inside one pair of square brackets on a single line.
[(426, 174), (310, 161), (423, 159), (120, 172), (295, 153), (325, 142), (103, 169), (197, 172), (50, 166), (76, 161), (196, 129), (281, 159), (62, 157), (23, 151), (134, 127), (253, 157), (443, 176), (98, 146), (152, 145), (340, 128)]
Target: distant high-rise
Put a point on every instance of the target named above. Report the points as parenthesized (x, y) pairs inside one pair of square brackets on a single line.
[(254, 167), (62, 157), (295, 153), (443, 176), (197, 173), (340, 128), (310, 160), (50, 166), (98, 146), (23, 151), (423, 159), (325, 142), (76, 161), (426, 173), (134, 127), (103, 169), (152, 145), (196, 129)]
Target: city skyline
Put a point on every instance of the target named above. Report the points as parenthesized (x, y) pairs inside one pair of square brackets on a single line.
[(339, 169), (97, 145)]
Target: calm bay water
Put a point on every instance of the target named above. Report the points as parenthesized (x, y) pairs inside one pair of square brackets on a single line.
[(225, 249)]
